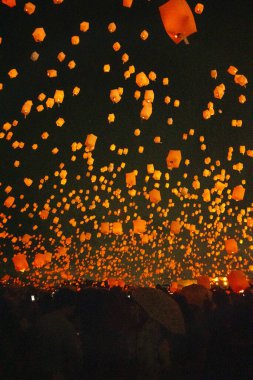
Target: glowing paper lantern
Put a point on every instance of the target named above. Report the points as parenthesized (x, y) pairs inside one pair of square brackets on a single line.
[(199, 8), (117, 228), (173, 159), (175, 227), (130, 179), (10, 3), (155, 196), (231, 246), (20, 262), (39, 34), (139, 226), (177, 19), (29, 8), (90, 142), (105, 228), (238, 193), (127, 3), (237, 281)]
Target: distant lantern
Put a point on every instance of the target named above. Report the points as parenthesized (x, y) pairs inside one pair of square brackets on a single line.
[(237, 280), (39, 34), (26, 108), (75, 40), (90, 142), (141, 79), (173, 159), (10, 3), (105, 228), (175, 227), (149, 96), (20, 262), (9, 202), (231, 246), (29, 8), (76, 91), (146, 111), (139, 226), (115, 95), (127, 3), (155, 196), (232, 70), (144, 35), (34, 56), (39, 260), (117, 228), (130, 179), (58, 96), (238, 193), (178, 20), (84, 26), (52, 73), (13, 73), (199, 8), (112, 27), (241, 80)]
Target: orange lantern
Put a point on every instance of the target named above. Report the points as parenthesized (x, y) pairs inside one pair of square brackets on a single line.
[(173, 159), (115, 95), (130, 179), (26, 108), (13, 73), (241, 80), (141, 79), (127, 3), (231, 246), (84, 26), (175, 227), (9, 201), (29, 8), (139, 226), (117, 228), (20, 262), (90, 142), (10, 3), (199, 8), (58, 96), (155, 196), (238, 193), (146, 111), (39, 260), (105, 228), (237, 281), (178, 20), (39, 35)]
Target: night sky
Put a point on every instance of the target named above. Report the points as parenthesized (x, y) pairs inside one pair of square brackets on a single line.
[(96, 192)]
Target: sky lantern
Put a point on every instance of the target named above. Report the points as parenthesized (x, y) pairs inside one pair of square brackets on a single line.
[(57, 1), (20, 262), (39, 260), (231, 246), (29, 8), (141, 79), (127, 3), (155, 196), (10, 3), (115, 95), (149, 96), (139, 226), (117, 228), (237, 281), (199, 8), (112, 27), (84, 26), (90, 142), (58, 96), (9, 201), (130, 179), (146, 111), (173, 159), (39, 34), (241, 80), (178, 20), (34, 56), (13, 73), (26, 108), (175, 227), (105, 228), (76, 91), (238, 193)]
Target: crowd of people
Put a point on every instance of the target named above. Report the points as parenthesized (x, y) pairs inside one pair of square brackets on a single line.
[(109, 333)]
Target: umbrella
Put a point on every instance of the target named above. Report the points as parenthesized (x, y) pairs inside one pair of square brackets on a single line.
[(196, 294), (178, 20), (161, 307)]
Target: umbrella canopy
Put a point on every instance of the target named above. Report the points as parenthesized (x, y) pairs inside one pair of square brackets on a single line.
[(161, 307), (177, 19), (196, 294)]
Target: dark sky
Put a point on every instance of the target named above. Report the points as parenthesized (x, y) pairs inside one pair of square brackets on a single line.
[(224, 38)]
